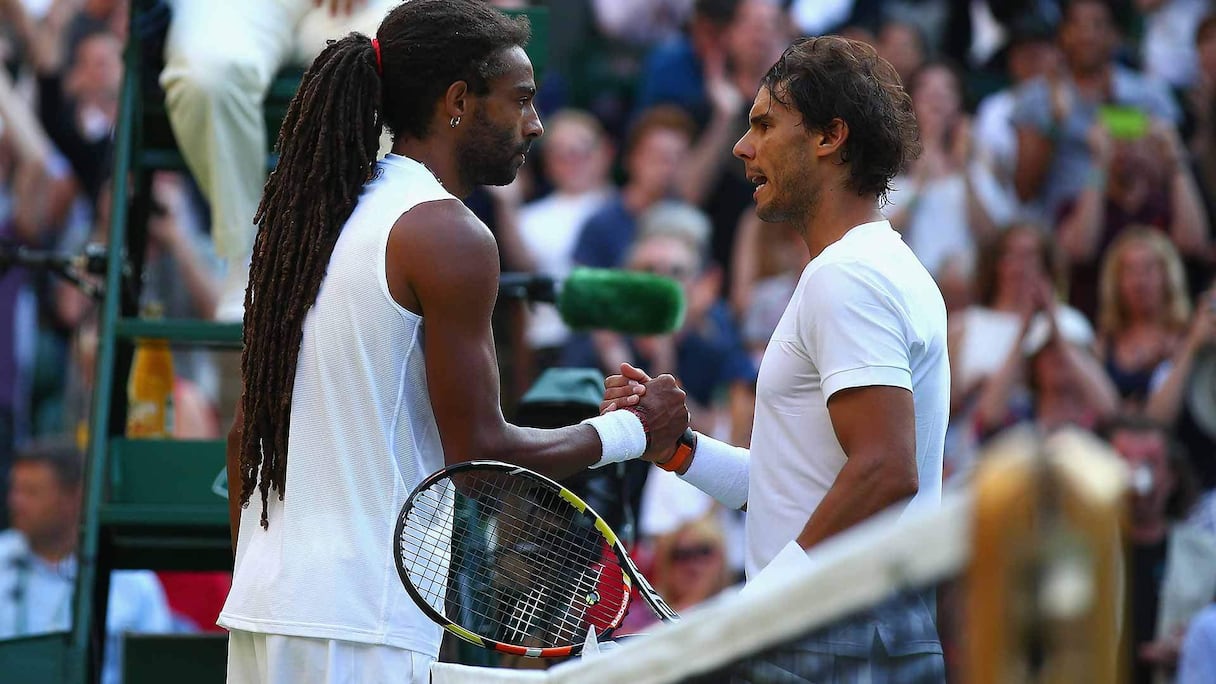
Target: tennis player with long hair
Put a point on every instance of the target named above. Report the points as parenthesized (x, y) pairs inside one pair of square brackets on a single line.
[(369, 360), (853, 392)]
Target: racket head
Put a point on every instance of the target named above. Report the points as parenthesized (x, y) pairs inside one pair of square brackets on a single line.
[(510, 560)]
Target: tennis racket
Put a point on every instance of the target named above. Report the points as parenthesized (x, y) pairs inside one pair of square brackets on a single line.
[(510, 560)]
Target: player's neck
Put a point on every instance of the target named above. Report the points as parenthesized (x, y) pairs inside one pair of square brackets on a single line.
[(838, 211), (439, 157)]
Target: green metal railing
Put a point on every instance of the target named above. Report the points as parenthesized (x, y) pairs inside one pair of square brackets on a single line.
[(150, 503)]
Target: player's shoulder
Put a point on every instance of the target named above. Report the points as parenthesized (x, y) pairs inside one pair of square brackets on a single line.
[(446, 213), (855, 266), (842, 284), (440, 228), (891, 277)]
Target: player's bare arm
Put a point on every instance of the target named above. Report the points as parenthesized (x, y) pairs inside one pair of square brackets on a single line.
[(443, 264), (880, 469)]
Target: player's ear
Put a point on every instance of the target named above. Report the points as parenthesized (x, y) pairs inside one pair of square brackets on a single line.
[(456, 100), (832, 138)]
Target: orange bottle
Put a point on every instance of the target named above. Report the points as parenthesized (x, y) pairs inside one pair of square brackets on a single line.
[(150, 387)]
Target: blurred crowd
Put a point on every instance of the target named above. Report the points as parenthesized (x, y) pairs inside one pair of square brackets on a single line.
[(1062, 202)]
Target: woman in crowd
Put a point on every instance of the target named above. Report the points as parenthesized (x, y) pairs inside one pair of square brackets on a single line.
[(689, 566), (1177, 397), (935, 204), (1067, 385), (1137, 182), (1143, 311), (1012, 270)]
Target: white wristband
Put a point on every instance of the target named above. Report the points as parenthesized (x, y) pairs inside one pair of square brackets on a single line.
[(720, 470), (622, 436)]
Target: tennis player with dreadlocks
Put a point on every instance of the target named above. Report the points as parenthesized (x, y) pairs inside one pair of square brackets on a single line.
[(369, 359)]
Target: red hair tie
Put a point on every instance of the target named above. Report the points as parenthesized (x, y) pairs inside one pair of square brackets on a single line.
[(376, 47)]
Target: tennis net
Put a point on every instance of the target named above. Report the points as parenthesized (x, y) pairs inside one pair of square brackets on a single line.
[(894, 600)]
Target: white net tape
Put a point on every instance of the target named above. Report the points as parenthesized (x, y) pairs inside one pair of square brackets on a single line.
[(890, 552)]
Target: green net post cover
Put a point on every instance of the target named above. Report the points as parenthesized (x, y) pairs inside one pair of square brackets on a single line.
[(561, 396), (581, 386)]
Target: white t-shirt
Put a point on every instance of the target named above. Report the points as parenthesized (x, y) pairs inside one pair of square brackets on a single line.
[(362, 436), (549, 228), (865, 312), (995, 138), (936, 229)]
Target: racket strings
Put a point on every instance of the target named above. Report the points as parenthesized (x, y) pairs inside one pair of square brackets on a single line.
[(523, 612), (432, 568), (512, 558), (552, 590)]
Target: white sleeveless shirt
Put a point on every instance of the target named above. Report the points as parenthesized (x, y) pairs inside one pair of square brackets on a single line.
[(362, 437)]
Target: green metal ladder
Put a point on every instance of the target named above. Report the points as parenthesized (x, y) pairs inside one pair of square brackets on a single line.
[(149, 504)]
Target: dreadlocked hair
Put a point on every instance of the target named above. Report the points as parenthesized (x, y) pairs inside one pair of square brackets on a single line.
[(327, 150)]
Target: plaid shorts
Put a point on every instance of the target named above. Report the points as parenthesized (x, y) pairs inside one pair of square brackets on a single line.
[(794, 666), (894, 642)]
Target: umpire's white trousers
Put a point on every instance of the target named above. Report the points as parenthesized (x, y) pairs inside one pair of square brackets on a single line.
[(220, 57)]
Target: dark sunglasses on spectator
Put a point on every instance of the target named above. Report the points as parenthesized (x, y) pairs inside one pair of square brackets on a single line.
[(698, 552)]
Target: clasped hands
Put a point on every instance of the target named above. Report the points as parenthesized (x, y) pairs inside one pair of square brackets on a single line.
[(658, 399)]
